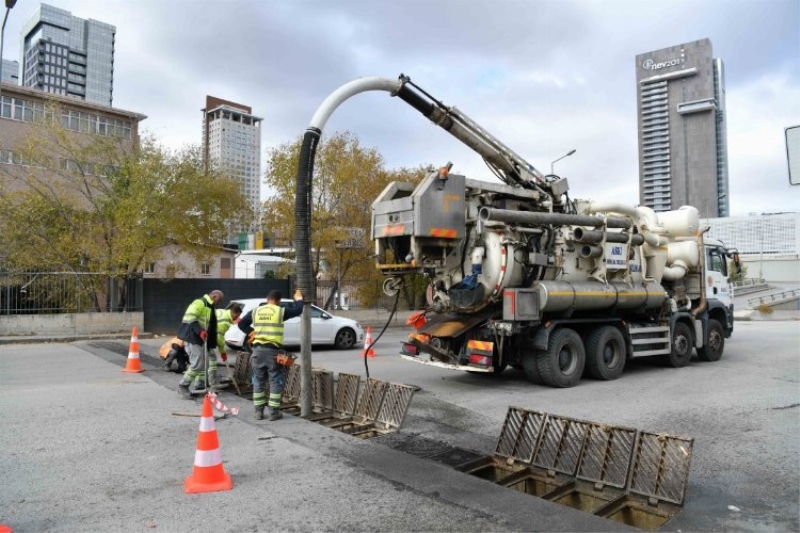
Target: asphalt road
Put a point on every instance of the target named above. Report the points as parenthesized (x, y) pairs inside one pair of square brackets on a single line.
[(88, 448), (742, 411)]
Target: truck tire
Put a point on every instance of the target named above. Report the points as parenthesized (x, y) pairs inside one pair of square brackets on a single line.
[(682, 345), (712, 350), (605, 353), (561, 365)]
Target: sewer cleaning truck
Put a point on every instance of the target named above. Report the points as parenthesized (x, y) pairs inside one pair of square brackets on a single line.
[(521, 273)]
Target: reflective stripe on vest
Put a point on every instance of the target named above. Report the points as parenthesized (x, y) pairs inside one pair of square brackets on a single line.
[(268, 324)]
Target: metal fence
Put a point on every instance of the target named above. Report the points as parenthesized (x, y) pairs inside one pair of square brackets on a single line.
[(24, 293)]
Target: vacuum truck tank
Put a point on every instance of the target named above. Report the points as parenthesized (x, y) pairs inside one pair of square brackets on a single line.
[(521, 274)]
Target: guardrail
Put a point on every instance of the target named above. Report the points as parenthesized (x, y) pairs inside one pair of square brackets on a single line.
[(749, 286), (749, 282), (776, 298)]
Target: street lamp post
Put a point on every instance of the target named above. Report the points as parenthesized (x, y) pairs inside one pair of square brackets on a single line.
[(9, 5), (559, 159)]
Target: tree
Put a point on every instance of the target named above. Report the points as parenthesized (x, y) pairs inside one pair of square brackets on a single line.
[(86, 203), (347, 179), (736, 276)]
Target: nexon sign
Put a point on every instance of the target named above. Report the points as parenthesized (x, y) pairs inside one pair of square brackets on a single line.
[(649, 64)]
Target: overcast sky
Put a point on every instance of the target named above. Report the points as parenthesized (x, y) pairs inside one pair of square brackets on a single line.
[(544, 76)]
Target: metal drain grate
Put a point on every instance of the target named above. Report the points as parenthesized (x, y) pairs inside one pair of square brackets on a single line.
[(561, 444), (661, 466), (344, 404), (520, 434), (395, 405), (371, 399), (291, 391), (606, 455), (322, 389)]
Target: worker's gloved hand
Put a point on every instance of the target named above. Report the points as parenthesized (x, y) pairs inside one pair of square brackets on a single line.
[(203, 335), (223, 356), (298, 295)]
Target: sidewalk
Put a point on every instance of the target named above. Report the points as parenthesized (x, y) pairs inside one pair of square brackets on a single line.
[(88, 448)]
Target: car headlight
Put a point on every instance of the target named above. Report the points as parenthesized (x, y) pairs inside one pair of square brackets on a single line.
[(359, 326)]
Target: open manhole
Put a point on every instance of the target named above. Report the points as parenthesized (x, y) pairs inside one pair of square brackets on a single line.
[(626, 475)]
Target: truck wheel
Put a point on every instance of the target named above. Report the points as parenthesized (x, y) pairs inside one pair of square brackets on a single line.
[(712, 351), (605, 353), (682, 345), (561, 365)]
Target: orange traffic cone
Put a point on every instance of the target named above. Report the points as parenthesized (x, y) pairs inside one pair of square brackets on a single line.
[(5, 529), (368, 351), (133, 364), (208, 474)]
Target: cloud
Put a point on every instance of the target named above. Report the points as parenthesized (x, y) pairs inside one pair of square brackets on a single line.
[(544, 76)]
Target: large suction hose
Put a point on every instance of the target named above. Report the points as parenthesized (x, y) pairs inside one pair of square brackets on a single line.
[(303, 208)]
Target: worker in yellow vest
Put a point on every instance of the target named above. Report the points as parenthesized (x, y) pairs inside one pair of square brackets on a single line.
[(198, 324), (225, 319), (266, 322)]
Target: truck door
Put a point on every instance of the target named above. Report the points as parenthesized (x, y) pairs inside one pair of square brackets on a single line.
[(717, 285)]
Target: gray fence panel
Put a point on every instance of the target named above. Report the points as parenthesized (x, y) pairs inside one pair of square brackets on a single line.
[(165, 301)]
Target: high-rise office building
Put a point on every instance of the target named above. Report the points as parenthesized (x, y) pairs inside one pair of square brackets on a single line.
[(232, 144), (683, 155), (62, 54), (10, 72)]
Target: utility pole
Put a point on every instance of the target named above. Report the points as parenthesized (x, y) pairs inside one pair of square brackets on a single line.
[(9, 5)]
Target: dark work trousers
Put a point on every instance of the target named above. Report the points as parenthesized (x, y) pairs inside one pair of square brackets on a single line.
[(266, 368)]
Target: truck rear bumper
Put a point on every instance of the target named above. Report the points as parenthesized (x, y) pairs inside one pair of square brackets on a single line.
[(449, 366)]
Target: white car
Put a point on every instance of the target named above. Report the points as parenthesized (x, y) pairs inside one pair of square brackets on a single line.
[(341, 332)]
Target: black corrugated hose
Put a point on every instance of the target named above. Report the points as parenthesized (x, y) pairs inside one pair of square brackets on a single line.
[(391, 315)]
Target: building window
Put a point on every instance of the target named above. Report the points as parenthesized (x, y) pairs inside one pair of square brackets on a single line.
[(150, 268), (205, 269)]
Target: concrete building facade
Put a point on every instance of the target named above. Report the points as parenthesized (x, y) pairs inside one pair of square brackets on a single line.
[(67, 55), (682, 129), (24, 110), (769, 243), (232, 144)]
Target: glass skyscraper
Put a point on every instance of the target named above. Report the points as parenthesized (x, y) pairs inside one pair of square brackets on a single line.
[(62, 54), (683, 155)]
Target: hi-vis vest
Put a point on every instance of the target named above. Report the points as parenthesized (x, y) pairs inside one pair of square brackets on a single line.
[(198, 311), (268, 324)]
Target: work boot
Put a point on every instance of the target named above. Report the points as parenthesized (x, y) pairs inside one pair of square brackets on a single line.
[(183, 392), (171, 356), (259, 412), (274, 414), (199, 388)]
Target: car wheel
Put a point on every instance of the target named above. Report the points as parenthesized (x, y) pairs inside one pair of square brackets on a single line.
[(345, 339)]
